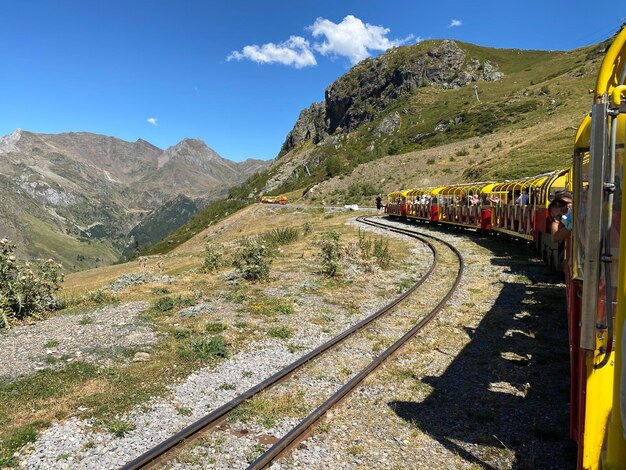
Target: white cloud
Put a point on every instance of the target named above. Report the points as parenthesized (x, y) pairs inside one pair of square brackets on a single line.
[(152, 121), (455, 23), (352, 38), (295, 51)]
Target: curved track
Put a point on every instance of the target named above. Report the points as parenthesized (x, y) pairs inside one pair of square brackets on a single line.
[(301, 431), (168, 448)]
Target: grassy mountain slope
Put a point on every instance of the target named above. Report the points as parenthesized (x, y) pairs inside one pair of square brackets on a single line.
[(78, 196), (435, 133)]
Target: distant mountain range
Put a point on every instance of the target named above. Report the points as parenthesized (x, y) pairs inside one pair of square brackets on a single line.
[(78, 196)]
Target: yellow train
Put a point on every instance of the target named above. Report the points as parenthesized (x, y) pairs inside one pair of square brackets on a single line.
[(594, 265), (274, 200)]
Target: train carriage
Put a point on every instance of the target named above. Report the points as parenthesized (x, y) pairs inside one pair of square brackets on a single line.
[(520, 210), (421, 204), (520, 206), (396, 203), (464, 204)]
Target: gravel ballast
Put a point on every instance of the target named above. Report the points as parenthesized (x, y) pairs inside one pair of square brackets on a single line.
[(460, 358)]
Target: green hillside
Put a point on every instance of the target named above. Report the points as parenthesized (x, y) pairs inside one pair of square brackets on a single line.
[(520, 125)]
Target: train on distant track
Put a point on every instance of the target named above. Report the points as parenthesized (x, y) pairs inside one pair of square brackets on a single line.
[(595, 268), (282, 200)]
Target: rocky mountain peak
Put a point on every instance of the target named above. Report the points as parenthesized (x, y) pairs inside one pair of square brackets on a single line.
[(372, 85), (194, 151), (8, 143), (145, 143)]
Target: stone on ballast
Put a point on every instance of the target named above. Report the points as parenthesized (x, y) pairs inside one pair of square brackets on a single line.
[(141, 357)]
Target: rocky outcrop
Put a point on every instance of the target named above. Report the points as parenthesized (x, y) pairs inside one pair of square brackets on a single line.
[(373, 84), (8, 142), (389, 124), (311, 125)]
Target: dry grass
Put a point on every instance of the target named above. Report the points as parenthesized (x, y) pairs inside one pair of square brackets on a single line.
[(33, 402)]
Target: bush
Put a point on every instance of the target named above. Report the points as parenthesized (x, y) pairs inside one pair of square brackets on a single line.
[(212, 257), (253, 260), (100, 297), (381, 253), (282, 236), (281, 332), (205, 348), (26, 289), (462, 153), (216, 327), (430, 161), (330, 254), (333, 166), (164, 304), (365, 245)]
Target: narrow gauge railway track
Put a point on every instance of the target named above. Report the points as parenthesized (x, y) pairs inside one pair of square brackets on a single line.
[(304, 428), (169, 448)]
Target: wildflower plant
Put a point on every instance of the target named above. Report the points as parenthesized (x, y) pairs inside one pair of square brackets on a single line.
[(213, 258), (28, 288), (330, 254), (253, 260)]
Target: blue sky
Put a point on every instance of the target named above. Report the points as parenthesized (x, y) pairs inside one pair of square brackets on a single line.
[(235, 73)]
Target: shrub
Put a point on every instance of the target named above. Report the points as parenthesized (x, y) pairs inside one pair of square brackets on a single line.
[(216, 327), (212, 257), (330, 254), (282, 236), (365, 245), (161, 290), (462, 153), (395, 146), (100, 296), (381, 253), (333, 166), (164, 304), (253, 260), (26, 288), (430, 161), (281, 332), (306, 228), (209, 348)]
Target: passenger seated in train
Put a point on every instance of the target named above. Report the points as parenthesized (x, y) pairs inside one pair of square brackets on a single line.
[(522, 199), (560, 211)]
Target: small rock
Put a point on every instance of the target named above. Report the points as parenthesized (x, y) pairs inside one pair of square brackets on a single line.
[(141, 357)]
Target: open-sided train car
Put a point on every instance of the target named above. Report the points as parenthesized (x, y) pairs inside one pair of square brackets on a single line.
[(518, 208), (396, 203)]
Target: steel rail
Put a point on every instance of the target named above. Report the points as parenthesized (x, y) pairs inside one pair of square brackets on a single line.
[(189, 433), (301, 431)]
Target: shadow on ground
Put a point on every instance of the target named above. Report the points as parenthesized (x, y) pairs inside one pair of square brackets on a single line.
[(503, 401)]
